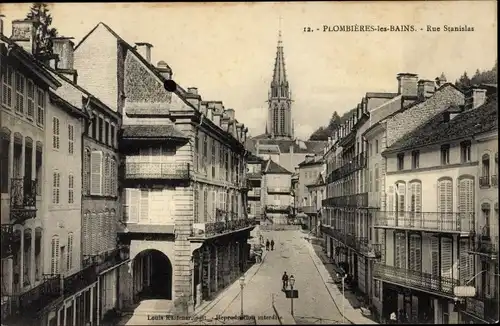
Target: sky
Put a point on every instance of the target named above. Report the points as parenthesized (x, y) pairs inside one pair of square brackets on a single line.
[(227, 50)]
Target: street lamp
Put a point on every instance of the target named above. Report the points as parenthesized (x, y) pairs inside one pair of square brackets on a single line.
[(242, 285), (292, 282), (343, 296)]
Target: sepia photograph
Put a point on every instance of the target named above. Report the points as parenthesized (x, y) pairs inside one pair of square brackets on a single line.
[(249, 163)]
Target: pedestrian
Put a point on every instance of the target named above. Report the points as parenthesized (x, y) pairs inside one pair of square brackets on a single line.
[(272, 245), (284, 279), (267, 244), (392, 318)]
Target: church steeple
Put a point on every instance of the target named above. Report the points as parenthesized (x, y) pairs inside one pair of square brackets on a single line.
[(280, 114)]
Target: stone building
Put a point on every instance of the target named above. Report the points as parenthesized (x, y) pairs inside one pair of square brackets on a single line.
[(438, 216), (276, 192), (255, 192), (183, 170)]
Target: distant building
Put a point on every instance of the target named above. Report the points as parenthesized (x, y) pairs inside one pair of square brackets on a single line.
[(255, 191), (277, 192)]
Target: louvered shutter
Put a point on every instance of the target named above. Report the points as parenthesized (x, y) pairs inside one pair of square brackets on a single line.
[(55, 256), (401, 202), (214, 200), (445, 203), (464, 261), (446, 259), (100, 233), (70, 252), (95, 223), (96, 173), (466, 203), (411, 261), (390, 205), (144, 206), (435, 262)]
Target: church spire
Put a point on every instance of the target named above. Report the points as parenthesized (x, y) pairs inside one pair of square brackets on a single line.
[(279, 76)]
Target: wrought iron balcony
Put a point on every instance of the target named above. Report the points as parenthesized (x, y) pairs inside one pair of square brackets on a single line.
[(356, 163), (485, 245), (483, 307), (279, 190), (356, 201), (156, 171), (7, 235), (22, 199), (255, 192), (334, 233), (363, 247), (33, 301), (426, 221), (278, 208), (108, 259), (439, 285), (212, 229), (494, 180), (484, 181), (310, 210), (80, 280)]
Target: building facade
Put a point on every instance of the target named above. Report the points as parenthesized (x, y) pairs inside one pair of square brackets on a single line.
[(255, 193), (309, 187), (276, 185), (180, 152)]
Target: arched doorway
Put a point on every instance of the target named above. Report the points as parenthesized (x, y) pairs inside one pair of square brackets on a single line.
[(153, 271)]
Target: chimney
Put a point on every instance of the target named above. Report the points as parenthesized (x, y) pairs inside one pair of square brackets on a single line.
[(144, 49), (474, 98), (217, 118), (425, 89), (407, 84), (23, 33), (193, 97), (238, 130), (224, 123), (63, 47), (230, 113), (219, 107), (203, 107), (1, 24), (164, 70)]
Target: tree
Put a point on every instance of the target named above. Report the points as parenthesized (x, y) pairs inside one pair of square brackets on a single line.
[(39, 13), (334, 121), (320, 134)]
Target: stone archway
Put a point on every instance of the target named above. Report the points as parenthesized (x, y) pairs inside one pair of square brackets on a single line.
[(156, 273)]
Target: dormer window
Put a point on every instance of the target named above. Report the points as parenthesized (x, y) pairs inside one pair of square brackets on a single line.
[(465, 151), (401, 161)]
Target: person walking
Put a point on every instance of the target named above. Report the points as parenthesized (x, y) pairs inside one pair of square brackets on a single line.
[(267, 244), (284, 279), (393, 318), (272, 245)]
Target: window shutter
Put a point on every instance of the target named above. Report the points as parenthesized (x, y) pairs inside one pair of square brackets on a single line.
[(411, 260), (95, 224), (144, 205), (390, 203), (69, 260), (401, 200), (87, 233), (86, 172), (435, 262), (55, 256), (96, 173), (446, 258), (132, 204), (464, 261)]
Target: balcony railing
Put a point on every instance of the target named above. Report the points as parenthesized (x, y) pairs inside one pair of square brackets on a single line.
[(312, 209), (356, 163), (278, 208), (494, 180), (33, 301), (438, 285), (108, 259), (159, 171), (80, 280), (334, 233), (255, 192), (484, 181), (357, 201), (426, 221), (483, 307), (486, 245), (211, 229), (22, 199), (366, 249), (7, 234), (279, 190)]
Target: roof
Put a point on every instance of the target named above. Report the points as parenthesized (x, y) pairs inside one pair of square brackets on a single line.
[(272, 167), (315, 160), (62, 103), (286, 146), (252, 158), (320, 181), (152, 131), (437, 130)]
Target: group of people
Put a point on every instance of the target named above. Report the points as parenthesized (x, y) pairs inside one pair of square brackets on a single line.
[(269, 244), (284, 279)]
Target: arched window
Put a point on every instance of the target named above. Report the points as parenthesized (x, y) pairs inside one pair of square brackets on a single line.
[(54, 263), (86, 171), (415, 192), (445, 203), (69, 259), (486, 219), (282, 120), (485, 171), (400, 199), (275, 119)]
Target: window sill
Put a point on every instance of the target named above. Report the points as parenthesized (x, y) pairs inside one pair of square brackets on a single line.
[(484, 186), (100, 196)]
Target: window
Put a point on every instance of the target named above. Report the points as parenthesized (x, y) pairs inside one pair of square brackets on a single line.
[(54, 268), (96, 173), (40, 114), (205, 152), (7, 84), (370, 189), (19, 93), (101, 127), (466, 201), (214, 162), (69, 259), (107, 176), (401, 161), (415, 159), (485, 172), (370, 149), (112, 136), (56, 186), (31, 99), (196, 212), (486, 211), (445, 201), (106, 133), (55, 133), (71, 189), (445, 154), (400, 198), (114, 178), (71, 138), (465, 151), (377, 177), (86, 171), (94, 126), (376, 146)]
